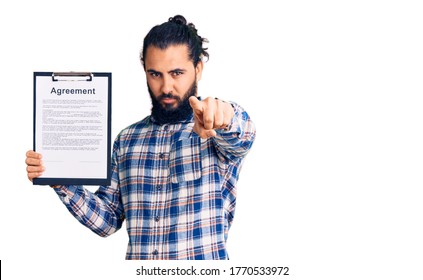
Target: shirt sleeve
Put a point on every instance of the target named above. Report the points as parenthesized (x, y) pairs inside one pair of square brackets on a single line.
[(102, 211), (235, 141)]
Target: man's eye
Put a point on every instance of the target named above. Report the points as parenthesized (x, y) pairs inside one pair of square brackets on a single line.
[(153, 74), (177, 73)]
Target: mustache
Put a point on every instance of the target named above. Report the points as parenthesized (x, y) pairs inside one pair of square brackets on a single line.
[(168, 95)]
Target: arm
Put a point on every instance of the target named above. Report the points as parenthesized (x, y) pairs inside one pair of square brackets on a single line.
[(102, 211), (236, 139), (230, 126)]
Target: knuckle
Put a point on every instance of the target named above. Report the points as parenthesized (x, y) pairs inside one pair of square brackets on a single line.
[(218, 123), (208, 120)]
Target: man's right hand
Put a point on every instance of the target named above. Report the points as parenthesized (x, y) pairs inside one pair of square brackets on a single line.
[(34, 165)]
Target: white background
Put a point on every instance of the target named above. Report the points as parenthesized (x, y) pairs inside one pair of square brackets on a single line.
[(332, 186)]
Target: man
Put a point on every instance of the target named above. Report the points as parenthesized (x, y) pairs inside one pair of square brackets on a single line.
[(174, 173)]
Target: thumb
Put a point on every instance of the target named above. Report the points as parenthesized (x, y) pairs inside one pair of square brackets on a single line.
[(195, 103)]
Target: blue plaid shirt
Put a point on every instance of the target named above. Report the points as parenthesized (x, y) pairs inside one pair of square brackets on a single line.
[(176, 191)]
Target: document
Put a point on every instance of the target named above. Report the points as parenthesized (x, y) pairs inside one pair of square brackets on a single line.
[(72, 127)]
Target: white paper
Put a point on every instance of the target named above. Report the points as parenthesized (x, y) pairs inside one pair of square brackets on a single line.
[(71, 127)]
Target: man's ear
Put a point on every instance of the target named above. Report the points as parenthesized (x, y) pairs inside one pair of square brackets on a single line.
[(199, 70)]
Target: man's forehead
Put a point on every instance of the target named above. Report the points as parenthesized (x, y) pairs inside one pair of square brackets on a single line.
[(173, 55)]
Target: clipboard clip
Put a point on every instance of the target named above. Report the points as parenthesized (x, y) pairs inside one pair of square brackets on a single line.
[(72, 76)]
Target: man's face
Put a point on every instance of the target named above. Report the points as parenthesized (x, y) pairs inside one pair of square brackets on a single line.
[(171, 75)]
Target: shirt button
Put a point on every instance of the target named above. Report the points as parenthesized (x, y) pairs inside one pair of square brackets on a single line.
[(157, 218), (155, 252), (159, 187), (166, 127), (162, 155)]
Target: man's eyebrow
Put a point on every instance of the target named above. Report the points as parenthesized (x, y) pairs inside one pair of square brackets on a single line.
[(177, 70), (153, 71)]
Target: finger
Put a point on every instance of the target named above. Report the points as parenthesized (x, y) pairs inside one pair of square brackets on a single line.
[(209, 115), (195, 104), (203, 133), (32, 154), (227, 120), (198, 118), (33, 175), (36, 169), (219, 116), (33, 161), (210, 133), (228, 114)]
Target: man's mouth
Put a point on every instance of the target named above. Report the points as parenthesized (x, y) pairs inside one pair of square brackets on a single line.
[(168, 100)]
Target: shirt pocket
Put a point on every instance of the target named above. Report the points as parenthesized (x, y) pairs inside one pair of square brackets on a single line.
[(185, 160)]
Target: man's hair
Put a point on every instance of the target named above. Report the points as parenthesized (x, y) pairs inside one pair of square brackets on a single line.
[(176, 31)]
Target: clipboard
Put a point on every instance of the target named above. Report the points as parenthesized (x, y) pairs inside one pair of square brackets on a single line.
[(72, 127)]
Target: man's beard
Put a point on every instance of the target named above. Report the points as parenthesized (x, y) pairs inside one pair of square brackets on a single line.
[(165, 114)]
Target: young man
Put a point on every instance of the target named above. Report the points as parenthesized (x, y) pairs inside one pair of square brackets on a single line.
[(174, 173)]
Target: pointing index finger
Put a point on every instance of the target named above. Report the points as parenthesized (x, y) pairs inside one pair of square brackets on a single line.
[(195, 103)]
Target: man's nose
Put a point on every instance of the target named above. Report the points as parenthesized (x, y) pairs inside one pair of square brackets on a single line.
[(167, 84)]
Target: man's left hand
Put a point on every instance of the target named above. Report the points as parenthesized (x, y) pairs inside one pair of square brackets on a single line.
[(210, 114)]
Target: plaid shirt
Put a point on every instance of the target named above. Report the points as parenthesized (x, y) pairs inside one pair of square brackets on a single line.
[(176, 191)]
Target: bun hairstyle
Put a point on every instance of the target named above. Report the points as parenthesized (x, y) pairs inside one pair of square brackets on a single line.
[(176, 31), (179, 20)]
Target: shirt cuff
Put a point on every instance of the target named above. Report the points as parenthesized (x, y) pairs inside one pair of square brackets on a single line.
[(65, 192)]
